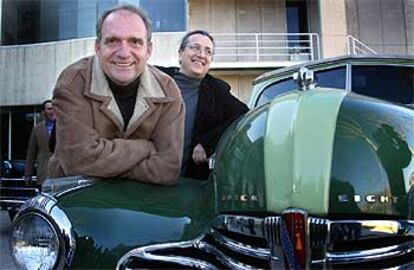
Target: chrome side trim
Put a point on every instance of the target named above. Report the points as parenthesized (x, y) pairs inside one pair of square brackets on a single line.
[(47, 206), (19, 188), (345, 230), (13, 201), (250, 226), (145, 253), (59, 187), (318, 232), (348, 82), (239, 247), (321, 235), (42, 203), (271, 227), (407, 266), (338, 229), (370, 255), (226, 260), (271, 234), (80, 186)]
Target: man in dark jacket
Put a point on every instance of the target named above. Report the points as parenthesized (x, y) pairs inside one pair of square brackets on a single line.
[(210, 107)]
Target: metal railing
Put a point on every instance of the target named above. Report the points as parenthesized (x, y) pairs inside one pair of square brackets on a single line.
[(266, 47), (357, 47)]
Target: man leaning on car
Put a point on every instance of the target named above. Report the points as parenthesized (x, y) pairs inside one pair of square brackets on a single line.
[(210, 106), (117, 116)]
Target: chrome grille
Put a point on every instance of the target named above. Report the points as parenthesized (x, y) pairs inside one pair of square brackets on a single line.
[(14, 192), (245, 242)]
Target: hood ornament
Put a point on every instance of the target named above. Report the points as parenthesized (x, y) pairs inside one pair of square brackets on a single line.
[(304, 78)]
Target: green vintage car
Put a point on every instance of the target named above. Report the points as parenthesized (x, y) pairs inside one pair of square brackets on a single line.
[(319, 176)]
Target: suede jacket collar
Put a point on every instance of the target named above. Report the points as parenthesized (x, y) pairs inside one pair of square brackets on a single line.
[(149, 88)]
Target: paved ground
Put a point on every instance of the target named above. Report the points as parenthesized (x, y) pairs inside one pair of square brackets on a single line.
[(5, 259)]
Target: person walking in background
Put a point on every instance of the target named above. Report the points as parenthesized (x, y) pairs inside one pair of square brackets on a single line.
[(38, 149), (210, 107), (116, 115)]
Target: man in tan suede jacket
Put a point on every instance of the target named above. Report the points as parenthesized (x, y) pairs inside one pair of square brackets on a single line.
[(116, 115)]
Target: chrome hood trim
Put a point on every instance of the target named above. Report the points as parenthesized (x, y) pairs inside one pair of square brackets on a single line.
[(58, 187)]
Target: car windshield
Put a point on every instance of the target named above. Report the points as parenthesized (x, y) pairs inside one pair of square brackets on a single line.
[(276, 89), (332, 77), (392, 83)]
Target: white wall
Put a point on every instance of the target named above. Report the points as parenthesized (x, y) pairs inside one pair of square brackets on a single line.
[(28, 72), (238, 16), (387, 26), (333, 27)]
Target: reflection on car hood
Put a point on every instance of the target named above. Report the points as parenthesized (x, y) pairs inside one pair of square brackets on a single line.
[(291, 153)]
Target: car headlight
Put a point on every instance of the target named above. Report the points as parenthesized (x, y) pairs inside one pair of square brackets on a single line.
[(34, 242)]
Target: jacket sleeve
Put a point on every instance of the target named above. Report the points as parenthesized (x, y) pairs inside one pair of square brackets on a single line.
[(31, 154), (81, 150), (233, 109), (163, 165)]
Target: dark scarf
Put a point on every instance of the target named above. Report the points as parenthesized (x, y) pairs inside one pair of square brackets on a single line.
[(125, 97)]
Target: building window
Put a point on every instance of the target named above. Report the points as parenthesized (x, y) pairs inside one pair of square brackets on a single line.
[(297, 22), (20, 22), (166, 15), (22, 121), (33, 21)]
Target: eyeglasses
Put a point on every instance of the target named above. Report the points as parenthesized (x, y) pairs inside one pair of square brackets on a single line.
[(198, 49)]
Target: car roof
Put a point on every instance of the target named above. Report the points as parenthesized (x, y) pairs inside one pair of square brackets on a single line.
[(372, 58)]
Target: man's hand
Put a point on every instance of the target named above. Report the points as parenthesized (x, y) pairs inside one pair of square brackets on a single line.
[(199, 154)]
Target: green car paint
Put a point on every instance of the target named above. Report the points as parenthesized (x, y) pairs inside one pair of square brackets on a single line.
[(279, 156), (373, 164), (239, 165), (298, 150), (327, 151), (286, 153), (114, 216), (323, 159)]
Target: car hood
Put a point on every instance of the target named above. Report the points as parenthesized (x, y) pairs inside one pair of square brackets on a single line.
[(326, 151), (111, 217)]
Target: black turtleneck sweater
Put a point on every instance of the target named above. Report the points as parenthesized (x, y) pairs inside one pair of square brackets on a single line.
[(125, 96)]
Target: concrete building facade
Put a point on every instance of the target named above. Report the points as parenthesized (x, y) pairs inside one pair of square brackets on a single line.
[(252, 37)]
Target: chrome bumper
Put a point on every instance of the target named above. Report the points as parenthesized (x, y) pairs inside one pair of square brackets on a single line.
[(245, 242)]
